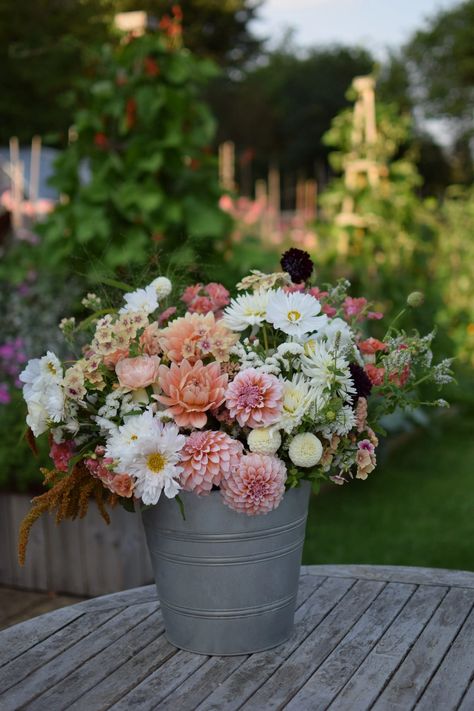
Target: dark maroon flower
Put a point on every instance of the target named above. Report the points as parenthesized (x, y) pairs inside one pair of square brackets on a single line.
[(298, 264), (361, 380)]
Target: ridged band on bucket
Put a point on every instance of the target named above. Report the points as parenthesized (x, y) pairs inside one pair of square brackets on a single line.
[(227, 582)]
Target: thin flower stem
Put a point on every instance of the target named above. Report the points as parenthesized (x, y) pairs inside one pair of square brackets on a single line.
[(397, 318), (265, 338)]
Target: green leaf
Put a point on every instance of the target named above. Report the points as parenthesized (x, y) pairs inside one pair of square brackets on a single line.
[(116, 284), (179, 501)]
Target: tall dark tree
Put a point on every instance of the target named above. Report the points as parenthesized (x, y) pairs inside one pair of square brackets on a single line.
[(42, 49)]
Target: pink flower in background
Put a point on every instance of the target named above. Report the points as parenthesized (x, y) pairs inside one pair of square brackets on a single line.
[(139, 372), (371, 346), (255, 399), (353, 308), (256, 485), (294, 288), (62, 453), (166, 315), (376, 375), (5, 396), (317, 293), (204, 299), (201, 305), (218, 294), (374, 315), (206, 458), (191, 293), (328, 310), (191, 390)]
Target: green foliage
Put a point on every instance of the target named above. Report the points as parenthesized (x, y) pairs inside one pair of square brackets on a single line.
[(139, 173), (19, 468), (414, 509), (388, 250)]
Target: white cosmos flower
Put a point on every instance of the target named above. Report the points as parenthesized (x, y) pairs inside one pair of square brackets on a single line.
[(298, 395), (148, 450), (329, 374), (142, 300), (294, 313), (334, 329), (246, 310), (43, 392)]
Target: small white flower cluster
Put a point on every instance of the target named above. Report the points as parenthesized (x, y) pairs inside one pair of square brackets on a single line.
[(442, 374)]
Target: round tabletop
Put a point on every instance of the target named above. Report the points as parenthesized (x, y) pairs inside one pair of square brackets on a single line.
[(366, 637)]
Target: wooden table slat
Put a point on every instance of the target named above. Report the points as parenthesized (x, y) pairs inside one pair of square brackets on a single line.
[(366, 637), (259, 667), (341, 664), (416, 670), (58, 668), (369, 679)]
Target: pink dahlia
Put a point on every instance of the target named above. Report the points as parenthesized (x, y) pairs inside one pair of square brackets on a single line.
[(256, 485), (254, 399), (191, 390), (206, 458)]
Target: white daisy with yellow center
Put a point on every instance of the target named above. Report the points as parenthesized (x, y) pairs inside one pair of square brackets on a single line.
[(294, 313), (298, 396)]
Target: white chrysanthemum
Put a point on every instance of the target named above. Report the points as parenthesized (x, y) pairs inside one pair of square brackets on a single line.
[(43, 392), (329, 372), (305, 450), (294, 313), (142, 301), (343, 422), (162, 286), (297, 398), (264, 440), (246, 310), (336, 330)]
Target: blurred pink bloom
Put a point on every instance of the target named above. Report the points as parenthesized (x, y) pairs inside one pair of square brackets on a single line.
[(256, 485), (149, 340), (190, 293), (62, 453), (354, 307), (328, 310), (374, 315), (207, 457), (118, 483), (5, 396), (255, 399), (166, 315)]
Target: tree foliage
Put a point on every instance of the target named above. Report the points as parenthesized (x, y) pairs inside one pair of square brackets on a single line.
[(139, 172)]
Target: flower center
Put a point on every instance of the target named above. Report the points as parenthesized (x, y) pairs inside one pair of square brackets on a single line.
[(294, 316), (250, 396), (52, 369), (156, 462)]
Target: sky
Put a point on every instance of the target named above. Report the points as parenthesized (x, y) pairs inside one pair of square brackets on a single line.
[(375, 24)]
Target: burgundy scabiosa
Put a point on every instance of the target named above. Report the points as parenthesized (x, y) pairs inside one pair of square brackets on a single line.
[(298, 264)]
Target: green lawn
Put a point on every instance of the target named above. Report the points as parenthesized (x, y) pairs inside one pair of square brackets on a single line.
[(417, 508)]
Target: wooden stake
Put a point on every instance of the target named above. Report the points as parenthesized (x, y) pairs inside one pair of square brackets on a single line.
[(16, 182), (35, 163)]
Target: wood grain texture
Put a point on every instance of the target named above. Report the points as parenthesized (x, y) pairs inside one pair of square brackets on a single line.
[(365, 638)]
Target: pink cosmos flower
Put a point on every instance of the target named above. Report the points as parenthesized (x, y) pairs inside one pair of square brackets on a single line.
[(207, 457), (62, 453), (255, 399), (134, 373), (191, 390), (256, 485)]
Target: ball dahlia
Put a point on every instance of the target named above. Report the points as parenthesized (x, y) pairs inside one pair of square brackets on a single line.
[(256, 485), (254, 399), (207, 457)]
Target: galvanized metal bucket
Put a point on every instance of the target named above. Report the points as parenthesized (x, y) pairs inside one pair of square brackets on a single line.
[(227, 582)]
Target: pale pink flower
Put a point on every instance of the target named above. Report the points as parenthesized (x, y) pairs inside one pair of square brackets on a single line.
[(374, 315), (218, 294), (100, 468), (191, 390), (191, 293), (62, 453), (139, 372), (255, 399), (256, 485), (111, 359), (201, 305), (197, 336), (150, 339), (353, 308), (207, 457), (366, 460)]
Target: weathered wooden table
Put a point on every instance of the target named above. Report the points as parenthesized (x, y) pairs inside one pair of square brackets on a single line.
[(366, 637)]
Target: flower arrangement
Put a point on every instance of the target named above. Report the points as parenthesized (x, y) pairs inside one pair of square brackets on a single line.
[(247, 395)]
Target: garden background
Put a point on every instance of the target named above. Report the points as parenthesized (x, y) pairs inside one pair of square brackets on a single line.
[(180, 141)]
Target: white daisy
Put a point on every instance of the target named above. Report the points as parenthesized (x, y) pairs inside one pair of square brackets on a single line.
[(329, 373), (125, 440), (142, 300), (246, 310), (298, 395), (294, 313)]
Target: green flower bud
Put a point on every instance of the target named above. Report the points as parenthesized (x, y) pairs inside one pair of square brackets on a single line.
[(416, 298)]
